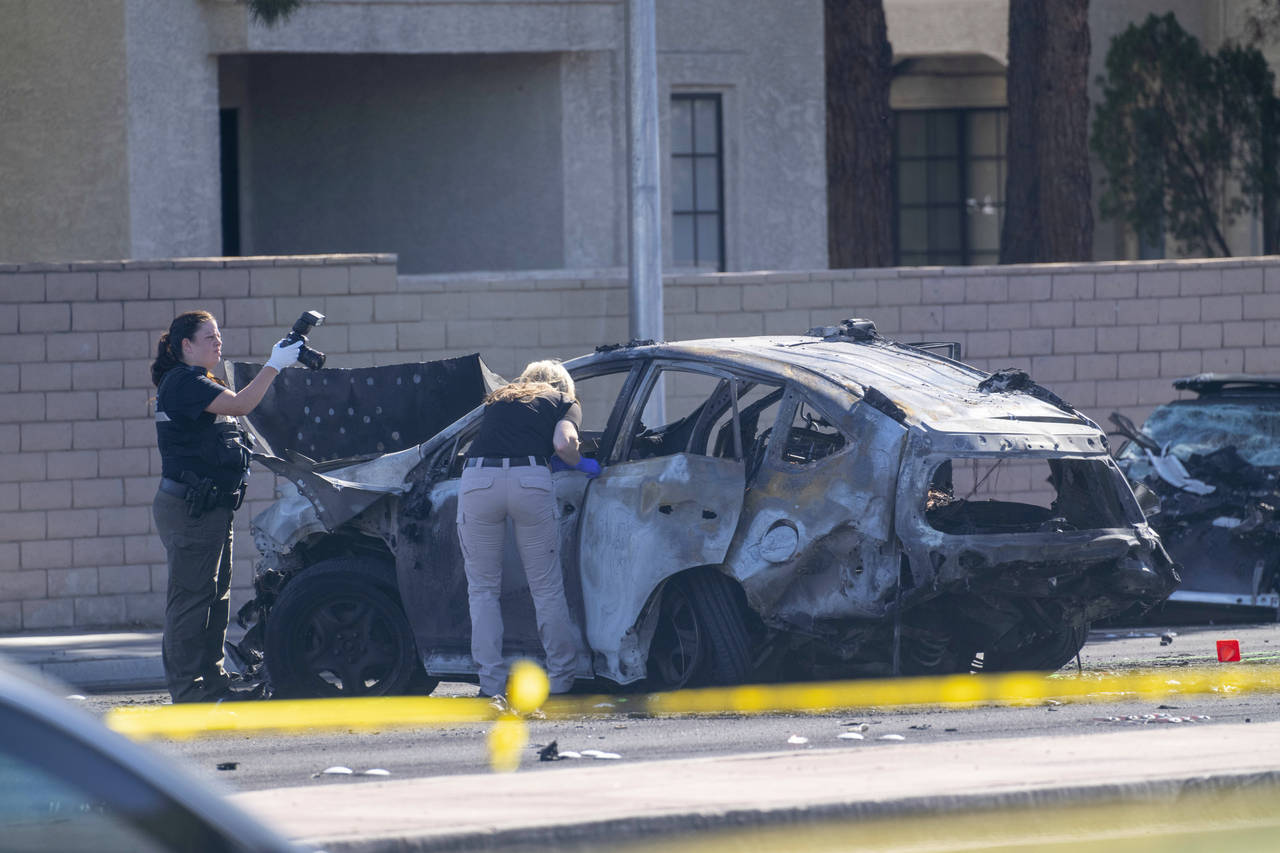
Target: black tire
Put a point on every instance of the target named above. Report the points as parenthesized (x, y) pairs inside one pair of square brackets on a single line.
[(701, 638), (336, 630), (1046, 652)]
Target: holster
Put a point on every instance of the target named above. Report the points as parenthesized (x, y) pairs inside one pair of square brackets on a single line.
[(202, 494)]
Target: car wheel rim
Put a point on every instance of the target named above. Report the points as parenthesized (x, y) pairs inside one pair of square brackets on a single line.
[(677, 643), (349, 646)]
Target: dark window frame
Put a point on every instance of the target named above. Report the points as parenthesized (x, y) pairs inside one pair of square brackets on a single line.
[(698, 208), (964, 163)]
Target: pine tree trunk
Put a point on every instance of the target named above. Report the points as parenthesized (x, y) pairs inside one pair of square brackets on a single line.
[(859, 65), (1048, 209)]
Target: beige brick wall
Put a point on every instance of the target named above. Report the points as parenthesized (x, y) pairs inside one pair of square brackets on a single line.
[(78, 464)]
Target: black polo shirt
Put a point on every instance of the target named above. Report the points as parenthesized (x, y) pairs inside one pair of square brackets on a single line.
[(515, 428), (186, 433)]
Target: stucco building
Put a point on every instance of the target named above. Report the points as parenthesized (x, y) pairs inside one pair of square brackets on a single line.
[(481, 135)]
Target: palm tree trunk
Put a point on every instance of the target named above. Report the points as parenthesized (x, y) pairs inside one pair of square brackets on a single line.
[(1048, 206), (859, 66)]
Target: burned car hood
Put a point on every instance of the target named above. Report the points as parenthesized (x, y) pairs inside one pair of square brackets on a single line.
[(345, 437)]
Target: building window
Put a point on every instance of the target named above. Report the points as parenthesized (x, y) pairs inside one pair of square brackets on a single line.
[(950, 186), (697, 182)]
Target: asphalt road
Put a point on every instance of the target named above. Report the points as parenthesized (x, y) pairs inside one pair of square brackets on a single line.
[(270, 761)]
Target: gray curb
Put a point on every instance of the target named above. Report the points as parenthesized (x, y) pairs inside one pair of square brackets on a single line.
[(673, 826)]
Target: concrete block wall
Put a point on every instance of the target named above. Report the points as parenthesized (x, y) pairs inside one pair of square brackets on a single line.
[(78, 464)]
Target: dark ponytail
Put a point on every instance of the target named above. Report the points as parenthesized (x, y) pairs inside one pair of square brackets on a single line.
[(169, 346)]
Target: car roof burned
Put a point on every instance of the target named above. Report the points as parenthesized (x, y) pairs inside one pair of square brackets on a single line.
[(910, 384), (1225, 384)]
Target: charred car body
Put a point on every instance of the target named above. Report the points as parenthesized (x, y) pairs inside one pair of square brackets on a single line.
[(1214, 463), (806, 509)]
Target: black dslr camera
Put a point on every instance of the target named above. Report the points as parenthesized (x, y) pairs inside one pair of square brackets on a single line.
[(307, 356)]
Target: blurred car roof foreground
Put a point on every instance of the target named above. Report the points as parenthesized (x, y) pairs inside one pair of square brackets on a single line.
[(69, 783)]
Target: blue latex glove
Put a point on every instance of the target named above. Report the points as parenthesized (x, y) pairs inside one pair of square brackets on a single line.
[(590, 467)]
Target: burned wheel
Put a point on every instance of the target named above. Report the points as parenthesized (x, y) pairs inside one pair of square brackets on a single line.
[(1047, 651), (337, 631), (701, 637)]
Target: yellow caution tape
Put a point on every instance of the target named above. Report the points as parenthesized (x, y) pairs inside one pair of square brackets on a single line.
[(372, 713), (507, 740), (296, 715)]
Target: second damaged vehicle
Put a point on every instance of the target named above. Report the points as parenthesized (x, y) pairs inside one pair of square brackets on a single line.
[(1213, 463), (808, 506)]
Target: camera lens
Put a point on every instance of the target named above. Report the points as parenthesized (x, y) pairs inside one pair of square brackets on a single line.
[(310, 358)]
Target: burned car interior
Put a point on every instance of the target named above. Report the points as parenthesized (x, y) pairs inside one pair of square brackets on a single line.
[(1075, 495), (831, 504)]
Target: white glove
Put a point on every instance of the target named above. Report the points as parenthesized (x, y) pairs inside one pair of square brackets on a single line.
[(284, 355)]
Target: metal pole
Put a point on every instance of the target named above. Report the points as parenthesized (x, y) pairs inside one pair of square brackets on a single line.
[(644, 237)]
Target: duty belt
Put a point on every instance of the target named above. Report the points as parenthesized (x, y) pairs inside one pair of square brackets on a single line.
[(504, 461), (230, 500)]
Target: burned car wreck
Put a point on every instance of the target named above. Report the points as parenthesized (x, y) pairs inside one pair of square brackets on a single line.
[(1213, 462), (808, 507)]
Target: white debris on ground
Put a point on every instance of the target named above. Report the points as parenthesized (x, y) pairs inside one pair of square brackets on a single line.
[(1155, 718), (596, 753)]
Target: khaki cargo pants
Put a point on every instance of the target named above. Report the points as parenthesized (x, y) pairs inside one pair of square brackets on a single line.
[(199, 599), (486, 498)]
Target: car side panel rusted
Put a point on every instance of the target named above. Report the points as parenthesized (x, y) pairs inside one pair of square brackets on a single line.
[(644, 521), (816, 539)]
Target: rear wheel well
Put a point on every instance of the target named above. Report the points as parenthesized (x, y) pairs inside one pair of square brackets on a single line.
[(701, 631)]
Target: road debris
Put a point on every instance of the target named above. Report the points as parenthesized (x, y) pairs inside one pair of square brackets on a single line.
[(228, 765), (1144, 719), (1167, 637), (891, 737), (797, 739), (596, 753), (337, 770), (851, 736)]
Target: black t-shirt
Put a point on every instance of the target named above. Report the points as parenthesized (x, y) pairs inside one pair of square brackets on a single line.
[(190, 438), (515, 428)]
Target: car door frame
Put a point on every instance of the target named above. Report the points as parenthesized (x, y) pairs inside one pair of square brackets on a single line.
[(695, 491)]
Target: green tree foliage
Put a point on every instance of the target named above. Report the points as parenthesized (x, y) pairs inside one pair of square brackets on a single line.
[(271, 12), (1187, 138)]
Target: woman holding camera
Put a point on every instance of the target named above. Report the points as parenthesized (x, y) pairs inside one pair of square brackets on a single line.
[(506, 476), (204, 465)]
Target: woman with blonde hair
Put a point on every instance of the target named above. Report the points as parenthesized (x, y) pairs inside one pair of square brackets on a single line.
[(506, 475)]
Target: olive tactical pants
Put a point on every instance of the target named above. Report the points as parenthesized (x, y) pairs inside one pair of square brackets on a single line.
[(198, 605), (487, 496)]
